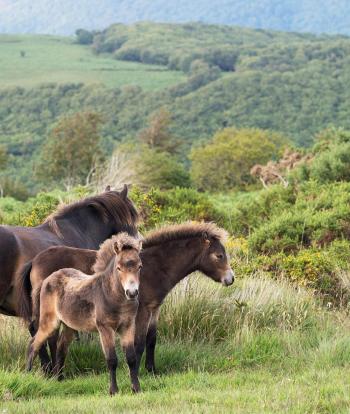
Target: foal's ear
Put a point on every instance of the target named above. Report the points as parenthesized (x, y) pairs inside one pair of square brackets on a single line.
[(116, 247), (108, 188), (124, 192)]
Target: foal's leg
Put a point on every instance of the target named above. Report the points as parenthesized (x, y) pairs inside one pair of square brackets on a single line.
[(151, 340), (127, 338), (47, 363), (107, 338), (52, 342), (48, 324), (66, 337), (142, 322), (45, 360)]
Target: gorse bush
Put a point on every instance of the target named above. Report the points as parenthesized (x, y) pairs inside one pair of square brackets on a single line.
[(174, 206), (319, 215), (331, 160), (35, 210)]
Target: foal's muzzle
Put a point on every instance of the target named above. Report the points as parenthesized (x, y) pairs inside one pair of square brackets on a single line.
[(131, 293), (229, 278)]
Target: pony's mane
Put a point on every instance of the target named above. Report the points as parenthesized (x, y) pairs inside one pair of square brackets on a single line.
[(109, 205), (107, 252), (184, 231)]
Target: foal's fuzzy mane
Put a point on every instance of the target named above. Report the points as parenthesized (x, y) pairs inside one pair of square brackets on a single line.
[(108, 205), (107, 252), (184, 231)]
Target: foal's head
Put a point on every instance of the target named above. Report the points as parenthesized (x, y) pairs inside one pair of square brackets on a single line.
[(127, 263), (214, 261), (121, 254)]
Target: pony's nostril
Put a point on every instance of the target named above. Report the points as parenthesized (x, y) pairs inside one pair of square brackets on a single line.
[(229, 279)]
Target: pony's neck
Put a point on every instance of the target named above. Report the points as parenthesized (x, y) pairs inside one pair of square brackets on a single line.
[(86, 232), (179, 259)]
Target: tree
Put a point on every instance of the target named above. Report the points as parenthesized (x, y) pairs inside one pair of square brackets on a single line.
[(3, 164), (143, 166), (72, 149), (158, 135), (225, 162), (158, 169), (84, 37)]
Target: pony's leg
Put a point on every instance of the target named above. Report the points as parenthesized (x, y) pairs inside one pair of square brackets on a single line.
[(46, 328), (142, 322), (107, 338), (127, 338), (45, 361), (66, 337), (151, 340)]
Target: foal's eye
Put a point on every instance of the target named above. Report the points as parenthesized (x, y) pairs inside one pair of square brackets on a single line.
[(118, 268), (220, 256)]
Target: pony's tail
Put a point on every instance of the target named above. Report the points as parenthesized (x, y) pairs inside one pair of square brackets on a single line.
[(24, 289)]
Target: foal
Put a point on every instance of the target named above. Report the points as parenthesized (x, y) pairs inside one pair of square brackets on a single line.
[(105, 302), (168, 255)]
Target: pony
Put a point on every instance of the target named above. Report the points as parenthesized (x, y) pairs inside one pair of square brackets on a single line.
[(105, 302)]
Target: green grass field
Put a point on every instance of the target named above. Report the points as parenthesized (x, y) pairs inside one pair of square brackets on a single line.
[(259, 347), (60, 60)]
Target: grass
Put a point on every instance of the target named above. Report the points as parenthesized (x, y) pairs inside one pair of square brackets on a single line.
[(259, 347), (60, 60)]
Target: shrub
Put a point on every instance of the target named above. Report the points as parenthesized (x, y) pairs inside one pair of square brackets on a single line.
[(174, 206), (308, 215)]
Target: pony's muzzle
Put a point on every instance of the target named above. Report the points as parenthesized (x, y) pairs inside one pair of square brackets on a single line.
[(229, 278)]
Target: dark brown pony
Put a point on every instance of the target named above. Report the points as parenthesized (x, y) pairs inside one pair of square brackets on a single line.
[(86, 224), (105, 302), (168, 256)]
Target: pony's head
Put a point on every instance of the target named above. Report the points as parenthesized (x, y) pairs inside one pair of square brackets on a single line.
[(214, 261)]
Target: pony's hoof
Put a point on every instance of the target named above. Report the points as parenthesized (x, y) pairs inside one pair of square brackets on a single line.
[(113, 391), (151, 369), (136, 388), (60, 377), (47, 370)]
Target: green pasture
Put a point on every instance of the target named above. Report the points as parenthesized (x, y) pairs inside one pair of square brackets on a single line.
[(259, 347), (60, 60)]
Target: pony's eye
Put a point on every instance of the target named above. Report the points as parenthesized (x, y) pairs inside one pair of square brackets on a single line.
[(118, 268), (220, 256)]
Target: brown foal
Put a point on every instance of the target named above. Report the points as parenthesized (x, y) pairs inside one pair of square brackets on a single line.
[(106, 302)]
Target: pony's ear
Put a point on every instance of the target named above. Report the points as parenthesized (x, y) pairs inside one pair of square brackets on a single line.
[(205, 237), (108, 188), (124, 192)]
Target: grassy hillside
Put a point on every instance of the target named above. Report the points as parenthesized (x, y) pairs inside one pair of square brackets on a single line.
[(43, 16), (49, 59), (208, 77)]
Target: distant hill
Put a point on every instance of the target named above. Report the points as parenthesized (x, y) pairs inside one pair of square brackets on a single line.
[(209, 77), (65, 16)]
